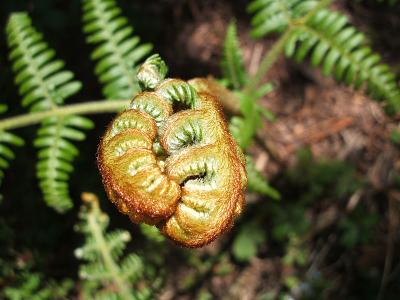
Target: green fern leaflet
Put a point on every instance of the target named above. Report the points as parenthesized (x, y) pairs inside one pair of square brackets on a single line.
[(118, 52), (276, 15), (232, 62), (6, 140), (44, 86)]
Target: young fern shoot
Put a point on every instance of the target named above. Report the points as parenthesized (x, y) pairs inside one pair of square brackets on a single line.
[(244, 127), (107, 274), (117, 51), (44, 86)]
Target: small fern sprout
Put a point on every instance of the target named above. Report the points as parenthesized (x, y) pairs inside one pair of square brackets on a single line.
[(44, 86), (181, 171), (243, 127), (106, 274), (117, 51)]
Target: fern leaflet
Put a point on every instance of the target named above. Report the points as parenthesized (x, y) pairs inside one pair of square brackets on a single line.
[(276, 15), (44, 86), (232, 62), (118, 51), (7, 139), (258, 183), (106, 274)]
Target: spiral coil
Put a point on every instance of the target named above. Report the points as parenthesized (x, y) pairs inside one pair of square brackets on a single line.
[(180, 171)]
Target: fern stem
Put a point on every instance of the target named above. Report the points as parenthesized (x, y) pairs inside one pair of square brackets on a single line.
[(266, 63), (93, 107), (273, 54), (108, 260)]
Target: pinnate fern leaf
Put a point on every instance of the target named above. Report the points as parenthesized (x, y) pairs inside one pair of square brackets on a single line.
[(44, 85), (117, 51), (331, 42), (108, 274), (342, 52), (7, 139)]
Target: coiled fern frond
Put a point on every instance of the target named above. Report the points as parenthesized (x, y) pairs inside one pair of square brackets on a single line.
[(330, 41), (181, 171), (7, 139), (44, 85), (276, 15), (106, 274), (117, 51)]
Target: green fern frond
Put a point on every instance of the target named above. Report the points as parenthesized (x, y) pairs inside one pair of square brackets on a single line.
[(341, 51), (6, 140), (276, 15), (118, 52), (232, 62), (44, 85), (105, 267), (258, 183)]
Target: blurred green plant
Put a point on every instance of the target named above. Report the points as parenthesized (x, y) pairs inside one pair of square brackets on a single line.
[(107, 275), (328, 178), (245, 245), (358, 227), (33, 286)]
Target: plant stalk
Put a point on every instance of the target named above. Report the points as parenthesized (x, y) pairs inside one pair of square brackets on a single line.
[(93, 107)]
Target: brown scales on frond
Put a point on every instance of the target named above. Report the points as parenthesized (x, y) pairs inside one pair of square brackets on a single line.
[(182, 172)]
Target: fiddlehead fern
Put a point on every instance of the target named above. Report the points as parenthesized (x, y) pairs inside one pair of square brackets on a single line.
[(181, 171)]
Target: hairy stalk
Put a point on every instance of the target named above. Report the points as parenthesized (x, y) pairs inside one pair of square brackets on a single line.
[(93, 107), (272, 55), (108, 261)]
